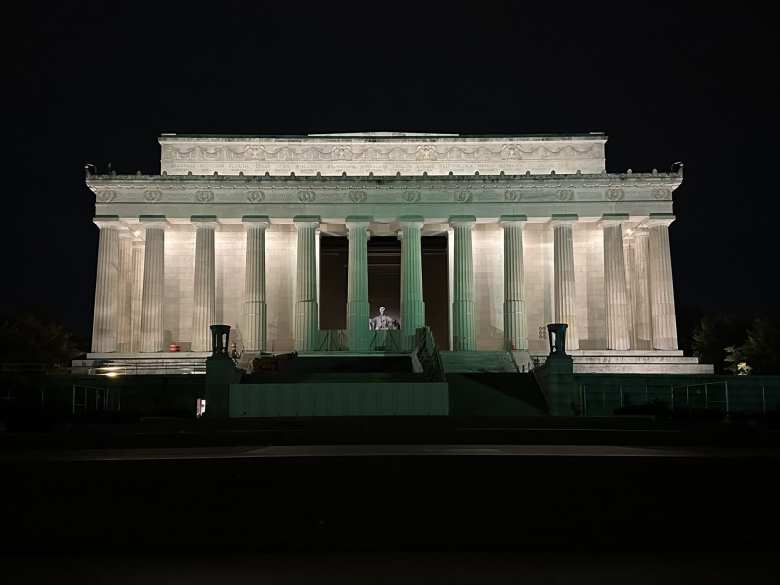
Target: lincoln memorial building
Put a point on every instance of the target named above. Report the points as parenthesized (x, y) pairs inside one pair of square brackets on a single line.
[(296, 241)]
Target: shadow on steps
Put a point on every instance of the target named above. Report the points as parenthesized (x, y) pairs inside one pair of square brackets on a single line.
[(496, 394)]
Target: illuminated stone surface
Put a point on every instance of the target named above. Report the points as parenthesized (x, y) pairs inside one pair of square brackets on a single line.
[(255, 307), (615, 285), (357, 284), (204, 303), (412, 305), (104, 325), (565, 289), (306, 331), (463, 334), (515, 328), (558, 265), (152, 301)]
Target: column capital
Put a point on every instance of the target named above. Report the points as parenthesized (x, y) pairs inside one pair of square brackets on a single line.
[(126, 234), (358, 221), (512, 220), (462, 221), (153, 221), (261, 221), (106, 221), (613, 219), (411, 221), (657, 219), (306, 221), (564, 219), (204, 221)]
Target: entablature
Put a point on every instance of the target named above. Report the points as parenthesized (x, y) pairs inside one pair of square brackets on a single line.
[(381, 153)]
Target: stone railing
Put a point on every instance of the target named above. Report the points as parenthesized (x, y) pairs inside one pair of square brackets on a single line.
[(427, 354), (333, 340)]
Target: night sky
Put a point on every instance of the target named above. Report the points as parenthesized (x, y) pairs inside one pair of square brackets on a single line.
[(98, 83)]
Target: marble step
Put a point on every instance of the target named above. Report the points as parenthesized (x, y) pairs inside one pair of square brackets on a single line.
[(462, 362), (634, 359)]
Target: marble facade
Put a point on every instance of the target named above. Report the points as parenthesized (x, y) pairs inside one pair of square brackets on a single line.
[(538, 231)]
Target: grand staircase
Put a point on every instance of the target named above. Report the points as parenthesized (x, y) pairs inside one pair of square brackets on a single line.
[(472, 362)]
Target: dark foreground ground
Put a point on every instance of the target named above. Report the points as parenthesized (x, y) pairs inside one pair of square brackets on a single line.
[(391, 501)]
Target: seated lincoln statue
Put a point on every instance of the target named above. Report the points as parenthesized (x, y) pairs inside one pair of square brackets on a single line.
[(382, 322)]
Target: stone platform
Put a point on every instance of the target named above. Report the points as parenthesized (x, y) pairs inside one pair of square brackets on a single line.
[(132, 363), (632, 361), (586, 361)]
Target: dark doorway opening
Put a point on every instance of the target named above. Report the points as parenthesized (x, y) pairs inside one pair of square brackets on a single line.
[(384, 282)]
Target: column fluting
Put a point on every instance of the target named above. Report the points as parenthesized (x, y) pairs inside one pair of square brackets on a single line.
[(615, 285), (565, 287), (630, 272), (642, 317), (661, 285), (463, 330), (306, 328), (125, 302), (204, 285), (137, 294), (358, 334), (515, 320), (412, 305), (153, 297), (254, 310), (105, 321), (450, 279)]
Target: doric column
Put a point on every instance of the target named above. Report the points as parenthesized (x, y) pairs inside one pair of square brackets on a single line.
[(317, 242), (628, 259), (661, 287), (105, 321), (641, 288), (137, 294), (204, 286), (450, 278), (306, 329), (463, 327), (615, 283), (125, 302), (153, 298), (357, 284), (515, 325), (412, 305), (254, 313), (564, 286)]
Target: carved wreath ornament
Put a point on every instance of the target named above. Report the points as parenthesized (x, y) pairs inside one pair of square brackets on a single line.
[(463, 197), (565, 195), (105, 196), (358, 196), (662, 193), (615, 194), (153, 196), (204, 196), (412, 196), (512, 196), (255, 196), (305, 196)]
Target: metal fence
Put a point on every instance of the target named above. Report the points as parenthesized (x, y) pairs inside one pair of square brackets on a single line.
[(114, 368), (93, 399), (726, 396)]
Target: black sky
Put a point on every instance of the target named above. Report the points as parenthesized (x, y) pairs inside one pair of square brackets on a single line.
[(99, 82)]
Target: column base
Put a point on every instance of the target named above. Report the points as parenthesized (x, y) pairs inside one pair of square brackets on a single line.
[(254, 326), (463, 332), (515, 330), (306, 329), (665, 343), (359, 336)]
